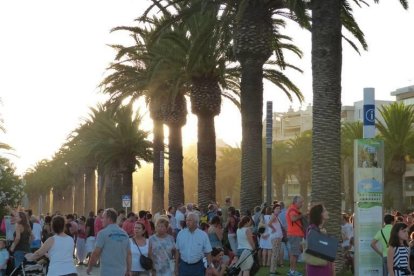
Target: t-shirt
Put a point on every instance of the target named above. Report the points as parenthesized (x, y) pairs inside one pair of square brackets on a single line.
[(136, 254), (115, 245), (98, 225), (386, 231), (128, 227), (294, 228), (179, 217), (348, 232), (90, 222)]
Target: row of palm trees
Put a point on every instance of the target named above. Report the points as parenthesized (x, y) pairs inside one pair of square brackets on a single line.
[(201, 49), (109, 141)]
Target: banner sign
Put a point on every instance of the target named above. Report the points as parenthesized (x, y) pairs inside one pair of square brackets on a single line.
[(368, 196)]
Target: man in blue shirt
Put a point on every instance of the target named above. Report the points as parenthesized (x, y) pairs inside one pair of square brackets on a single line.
[(192, 246), (113, 247)]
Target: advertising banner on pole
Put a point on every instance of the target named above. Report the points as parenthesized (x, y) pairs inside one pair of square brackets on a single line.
[(368, 197)]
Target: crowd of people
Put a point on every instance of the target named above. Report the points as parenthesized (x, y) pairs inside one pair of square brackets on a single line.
[(185, 240)]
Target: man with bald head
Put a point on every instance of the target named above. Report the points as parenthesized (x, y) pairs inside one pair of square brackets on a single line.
[(193, 245)]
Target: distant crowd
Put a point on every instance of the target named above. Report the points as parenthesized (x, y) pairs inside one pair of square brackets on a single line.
[(185, 240)]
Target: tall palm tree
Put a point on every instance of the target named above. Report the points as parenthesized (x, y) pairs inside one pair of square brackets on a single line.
[(255, 35), (398, 134), (114, 138)]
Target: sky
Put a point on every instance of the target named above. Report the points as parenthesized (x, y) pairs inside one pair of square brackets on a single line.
[(54, 54)]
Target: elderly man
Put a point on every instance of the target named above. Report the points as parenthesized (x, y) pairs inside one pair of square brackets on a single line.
[(295, 233), (113, 247), (192, 246)]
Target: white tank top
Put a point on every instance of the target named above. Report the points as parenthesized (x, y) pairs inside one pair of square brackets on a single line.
[(61, 256), (242, 241)]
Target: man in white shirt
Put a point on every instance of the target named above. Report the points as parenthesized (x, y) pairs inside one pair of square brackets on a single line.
[(193, 245)]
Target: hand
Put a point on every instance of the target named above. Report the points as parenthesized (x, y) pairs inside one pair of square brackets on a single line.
[(29, 256)]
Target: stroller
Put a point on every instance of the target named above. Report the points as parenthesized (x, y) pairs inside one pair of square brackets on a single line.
[(27, 268), (235, 269)]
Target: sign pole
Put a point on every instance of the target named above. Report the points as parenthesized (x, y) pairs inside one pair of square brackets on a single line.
[(269, 130)]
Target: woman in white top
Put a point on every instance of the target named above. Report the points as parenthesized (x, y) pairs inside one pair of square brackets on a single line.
[(60, 250), (275, 237), (138, 240), (265, 242), (245, 245)]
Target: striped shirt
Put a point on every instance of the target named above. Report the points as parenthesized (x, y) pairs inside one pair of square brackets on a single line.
[(401, 255)]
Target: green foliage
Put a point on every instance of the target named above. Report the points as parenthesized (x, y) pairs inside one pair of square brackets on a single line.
[(11, 186)]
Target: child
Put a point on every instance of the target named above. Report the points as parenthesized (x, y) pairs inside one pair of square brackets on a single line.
[(398, 251), (4, 256)]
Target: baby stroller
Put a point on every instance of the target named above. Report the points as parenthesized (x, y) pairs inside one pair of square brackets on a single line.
[(235, 269), (27, 268)]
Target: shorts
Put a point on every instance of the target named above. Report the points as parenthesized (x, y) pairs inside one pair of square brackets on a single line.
[(90, 244), (295, 243)]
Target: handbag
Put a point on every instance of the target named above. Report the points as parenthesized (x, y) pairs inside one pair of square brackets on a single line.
[(262, 226), (321, 245), (145, 261), (284, 238)]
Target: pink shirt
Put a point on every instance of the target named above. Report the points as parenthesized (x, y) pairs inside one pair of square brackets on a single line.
[(128, 226), (98, 225)]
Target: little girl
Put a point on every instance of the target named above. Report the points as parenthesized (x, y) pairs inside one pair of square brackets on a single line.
[(398, 251)]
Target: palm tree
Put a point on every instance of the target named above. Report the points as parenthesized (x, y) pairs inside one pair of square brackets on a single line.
[(350, 131), (114, 138), (253, 24), (398, 134)]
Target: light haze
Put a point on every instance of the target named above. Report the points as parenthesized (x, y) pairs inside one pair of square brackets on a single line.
[(54, 53)]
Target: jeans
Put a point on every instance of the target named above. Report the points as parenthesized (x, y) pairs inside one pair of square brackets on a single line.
[(196, 269), (384, 266), (18, 257)]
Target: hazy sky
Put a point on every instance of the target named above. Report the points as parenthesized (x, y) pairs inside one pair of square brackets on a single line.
[(53, 54)]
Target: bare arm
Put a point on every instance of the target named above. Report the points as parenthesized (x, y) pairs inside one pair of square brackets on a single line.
[(270, 223), (42, 250), (94, 257), (374, 246), (17, 238), (390, 261), (249, 236)]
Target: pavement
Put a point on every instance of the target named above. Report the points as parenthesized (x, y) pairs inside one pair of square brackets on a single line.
[(82, 270)]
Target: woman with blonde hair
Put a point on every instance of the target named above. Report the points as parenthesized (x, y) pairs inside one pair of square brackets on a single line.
[(162, 249)]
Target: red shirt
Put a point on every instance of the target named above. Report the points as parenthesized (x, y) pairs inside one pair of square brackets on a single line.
[(147, 226), (128, 226), (97, 226), (294, 228)]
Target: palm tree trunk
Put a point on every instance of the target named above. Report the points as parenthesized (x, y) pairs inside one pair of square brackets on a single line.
[(90, 189), (80, 194), (158, 167), (326, 69), (206, 155), (126, 186), (175, 164), (101, 189), (394, 184), (251, 111)]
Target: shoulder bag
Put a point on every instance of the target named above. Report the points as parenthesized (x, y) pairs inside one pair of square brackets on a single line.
[(145, 261), (284, 238)]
